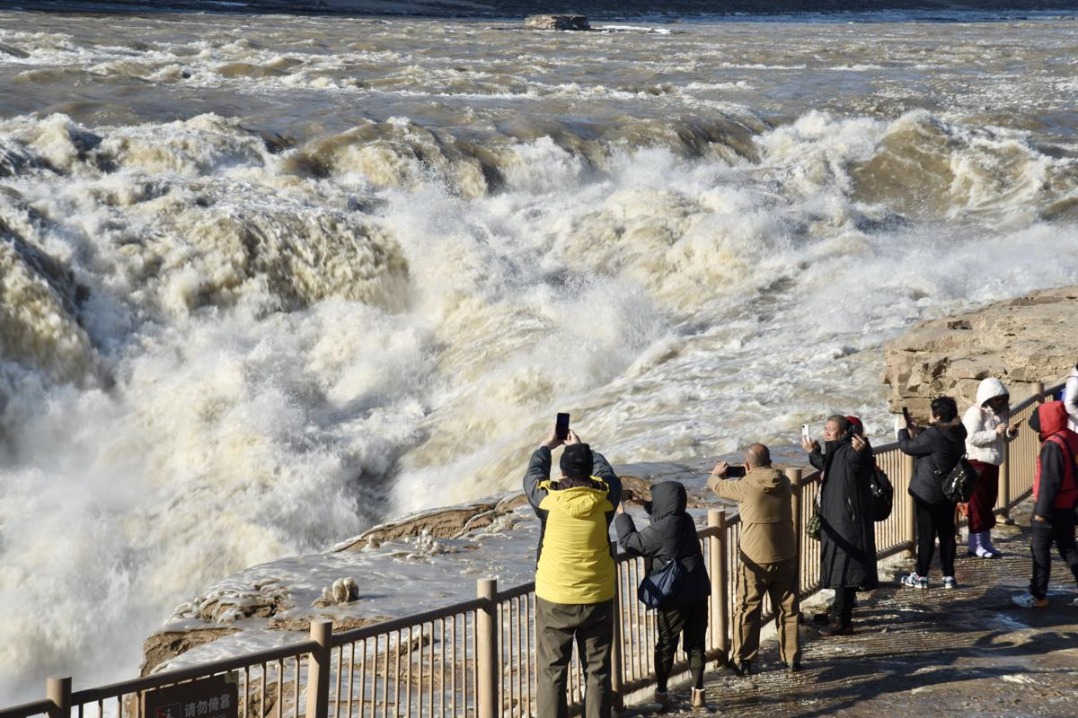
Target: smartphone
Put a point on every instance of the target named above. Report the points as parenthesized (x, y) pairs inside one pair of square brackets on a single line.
[(735, 472), (805, 436), (906, 416), (561, 427)]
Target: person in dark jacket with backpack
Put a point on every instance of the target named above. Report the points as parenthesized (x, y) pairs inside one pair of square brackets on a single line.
[(937, 450), (671, 536), (847, 533)]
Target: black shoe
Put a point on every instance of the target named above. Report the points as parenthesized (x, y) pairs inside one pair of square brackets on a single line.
[(822, 619), (837, 629), (744, 668), (795, 668)]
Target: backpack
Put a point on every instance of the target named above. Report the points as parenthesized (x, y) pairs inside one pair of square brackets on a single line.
[(958, 485), (883, 494)]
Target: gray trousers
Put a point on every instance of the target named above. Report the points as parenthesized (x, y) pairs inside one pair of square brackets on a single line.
[(556, 625)]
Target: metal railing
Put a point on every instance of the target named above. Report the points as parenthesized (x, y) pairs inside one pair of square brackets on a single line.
[(477, 658)]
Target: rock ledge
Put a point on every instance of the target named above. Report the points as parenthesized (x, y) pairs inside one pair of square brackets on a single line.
[(1021, 341), (557, 22)]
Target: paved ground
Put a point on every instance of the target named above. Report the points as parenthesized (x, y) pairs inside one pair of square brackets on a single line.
[(968, 652)]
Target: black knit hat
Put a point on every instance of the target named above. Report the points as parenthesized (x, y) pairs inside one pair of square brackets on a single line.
[(576, 461)]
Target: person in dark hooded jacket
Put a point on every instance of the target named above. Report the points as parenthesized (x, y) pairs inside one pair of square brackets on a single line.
[(671, 535), (937, 450), (1055, 493), (847, 531)]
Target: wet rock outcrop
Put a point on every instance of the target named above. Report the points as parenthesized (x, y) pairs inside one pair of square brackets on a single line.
[(557, 22), (287, 594), (164, 645), (1021, 341), (454, 521)]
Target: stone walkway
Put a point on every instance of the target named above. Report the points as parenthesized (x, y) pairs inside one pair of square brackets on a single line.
[(968, 652)]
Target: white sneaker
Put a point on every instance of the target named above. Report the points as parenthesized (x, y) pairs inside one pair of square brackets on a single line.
[(914, 581), (1028, 600), (1074, 602), (949, 582)]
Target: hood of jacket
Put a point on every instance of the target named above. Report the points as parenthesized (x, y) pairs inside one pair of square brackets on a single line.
[(667, 498), (580, 501), (1052, 416), (953, 430), (990, 388), (769, 480)]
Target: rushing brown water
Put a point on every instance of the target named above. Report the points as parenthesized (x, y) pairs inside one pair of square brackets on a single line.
[(266, 280)]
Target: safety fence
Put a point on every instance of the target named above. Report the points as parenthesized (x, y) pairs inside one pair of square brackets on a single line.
[(477, 658)]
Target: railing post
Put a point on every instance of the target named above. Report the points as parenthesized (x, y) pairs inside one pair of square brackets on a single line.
[(1018, 463), (719, 572), (1005, 483), (794, 475), (58, 690), (617, 676), (909, 532), (318, 670), (486, 648)]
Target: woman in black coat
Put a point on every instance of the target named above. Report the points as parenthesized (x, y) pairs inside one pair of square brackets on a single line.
[(938, 449), (847, 531), (672, 535)]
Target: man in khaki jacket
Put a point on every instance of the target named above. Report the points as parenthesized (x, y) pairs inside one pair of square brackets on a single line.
[(768, 556)]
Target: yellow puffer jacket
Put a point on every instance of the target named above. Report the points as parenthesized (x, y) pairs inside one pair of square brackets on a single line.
[(576, 564)]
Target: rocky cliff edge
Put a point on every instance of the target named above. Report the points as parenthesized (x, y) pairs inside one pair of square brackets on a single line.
[(1020, 341)]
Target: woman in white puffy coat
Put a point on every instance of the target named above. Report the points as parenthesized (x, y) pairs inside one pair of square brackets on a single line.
[(1070, 399), (988, 426)]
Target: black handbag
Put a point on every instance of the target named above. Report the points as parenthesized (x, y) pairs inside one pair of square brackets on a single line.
[(960, 482), (656, 589)]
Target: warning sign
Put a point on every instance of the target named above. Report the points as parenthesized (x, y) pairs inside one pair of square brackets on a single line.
[(213, 697)]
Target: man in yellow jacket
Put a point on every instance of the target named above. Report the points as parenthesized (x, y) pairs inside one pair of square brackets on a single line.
[(574, 575), (768, 556)]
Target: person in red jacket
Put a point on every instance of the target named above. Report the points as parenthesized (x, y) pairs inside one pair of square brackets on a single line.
[(1055, 493)]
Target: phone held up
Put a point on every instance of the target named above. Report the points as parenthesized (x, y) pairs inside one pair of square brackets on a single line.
[(561, 427), (735, 472), (906, 416), (805, 436)]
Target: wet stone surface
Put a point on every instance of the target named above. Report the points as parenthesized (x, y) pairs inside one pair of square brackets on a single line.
[(967, 652)]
